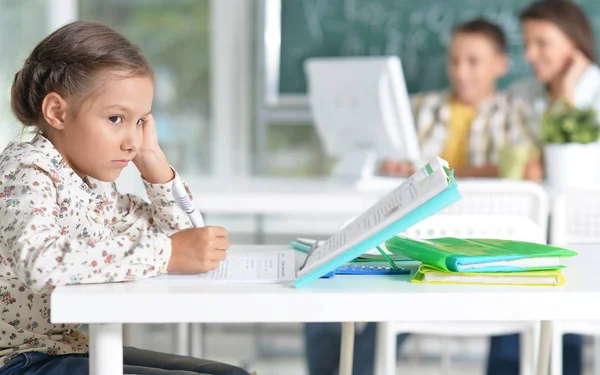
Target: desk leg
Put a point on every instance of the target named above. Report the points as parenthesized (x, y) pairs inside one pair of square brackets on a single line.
[(347, 350), (106, 349), (544, 350)]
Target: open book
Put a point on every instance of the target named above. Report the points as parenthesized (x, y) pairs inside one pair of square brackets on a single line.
[(428, 191)]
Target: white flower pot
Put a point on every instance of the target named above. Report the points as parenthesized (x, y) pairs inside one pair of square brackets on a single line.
[(571, 164)]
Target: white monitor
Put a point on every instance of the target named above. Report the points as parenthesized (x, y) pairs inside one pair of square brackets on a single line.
[(362, 112)]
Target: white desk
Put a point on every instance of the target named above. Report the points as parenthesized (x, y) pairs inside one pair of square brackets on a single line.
[(342, 298)]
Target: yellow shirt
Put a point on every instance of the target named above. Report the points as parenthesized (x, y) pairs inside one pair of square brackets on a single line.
[(456, 150)]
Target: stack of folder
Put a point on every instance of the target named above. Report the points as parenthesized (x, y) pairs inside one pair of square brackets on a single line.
[(482, 261)]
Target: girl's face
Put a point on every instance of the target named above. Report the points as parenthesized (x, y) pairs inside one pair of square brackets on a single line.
[(547, 49), (474, 67), (104, 133)]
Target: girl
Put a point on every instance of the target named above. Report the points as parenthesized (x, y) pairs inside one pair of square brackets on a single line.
[(88, 91), (470, 122)]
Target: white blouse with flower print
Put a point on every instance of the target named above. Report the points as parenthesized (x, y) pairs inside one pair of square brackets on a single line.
[(58, 229)]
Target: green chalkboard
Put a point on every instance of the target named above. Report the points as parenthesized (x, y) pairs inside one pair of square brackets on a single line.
[(416, 30)]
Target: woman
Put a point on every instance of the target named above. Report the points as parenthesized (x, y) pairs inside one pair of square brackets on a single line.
[(470, 122), (560, 46)]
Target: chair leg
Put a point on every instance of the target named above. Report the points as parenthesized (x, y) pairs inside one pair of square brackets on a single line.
[(385, 349), (557, 349), (446, 355), (347, 348), (544, 348), (197, 340), (182, 339), (527, 352), (596, 360)]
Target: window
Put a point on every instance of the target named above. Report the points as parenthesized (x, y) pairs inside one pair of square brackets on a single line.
[(23, 23), (174, 35), (295, 150)]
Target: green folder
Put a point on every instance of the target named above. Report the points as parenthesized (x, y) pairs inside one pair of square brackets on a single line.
[(479, 255)]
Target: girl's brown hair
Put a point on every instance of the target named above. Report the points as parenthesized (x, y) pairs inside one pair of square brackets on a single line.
[(568, 17), (67, 62)]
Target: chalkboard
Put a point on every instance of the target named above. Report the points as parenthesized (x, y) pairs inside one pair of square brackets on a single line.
[(416, 30)]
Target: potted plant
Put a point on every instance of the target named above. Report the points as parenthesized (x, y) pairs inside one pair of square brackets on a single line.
[(571, 148)]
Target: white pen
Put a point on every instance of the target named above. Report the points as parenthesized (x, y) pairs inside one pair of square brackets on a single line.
[(185, 203)]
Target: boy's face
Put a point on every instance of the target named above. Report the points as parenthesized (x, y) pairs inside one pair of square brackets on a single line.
[(474, 67), (105, 133)]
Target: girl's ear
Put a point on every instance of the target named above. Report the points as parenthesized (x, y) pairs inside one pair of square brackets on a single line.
[(54, 109)]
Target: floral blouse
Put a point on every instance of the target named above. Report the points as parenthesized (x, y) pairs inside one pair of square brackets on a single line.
[(58, 229)]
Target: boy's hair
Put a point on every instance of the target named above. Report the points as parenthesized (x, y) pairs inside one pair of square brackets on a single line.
[(486, 28), (67, 62), (569, 18)]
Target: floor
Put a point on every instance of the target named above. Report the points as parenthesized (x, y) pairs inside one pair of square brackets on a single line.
[(282, 349)]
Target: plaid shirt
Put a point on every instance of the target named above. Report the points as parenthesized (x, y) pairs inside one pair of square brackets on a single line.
[(502, 120)]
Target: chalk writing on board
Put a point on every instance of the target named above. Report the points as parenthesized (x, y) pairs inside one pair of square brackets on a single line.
[(418, 31)]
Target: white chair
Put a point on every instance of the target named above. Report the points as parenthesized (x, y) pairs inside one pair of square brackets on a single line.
[(502, 198), (575, 224), (501, 227)]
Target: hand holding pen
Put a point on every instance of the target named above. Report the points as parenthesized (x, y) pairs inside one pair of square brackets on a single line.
[(198, 249)]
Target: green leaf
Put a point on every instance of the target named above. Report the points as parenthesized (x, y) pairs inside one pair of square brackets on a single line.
[(563, 123)]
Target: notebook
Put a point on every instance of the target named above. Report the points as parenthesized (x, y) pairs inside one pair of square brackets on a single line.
[(432, 275), (428, 191), (479, 255)]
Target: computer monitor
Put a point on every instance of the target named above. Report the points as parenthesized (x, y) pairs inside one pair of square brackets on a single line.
[(362, 112)]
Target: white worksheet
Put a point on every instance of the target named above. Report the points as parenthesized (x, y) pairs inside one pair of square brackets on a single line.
[(260, 267)]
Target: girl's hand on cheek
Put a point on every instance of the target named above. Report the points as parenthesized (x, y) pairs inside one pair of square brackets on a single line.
[(150, 137), (150, 159)]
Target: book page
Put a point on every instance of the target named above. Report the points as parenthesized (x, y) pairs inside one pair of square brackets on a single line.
[(259, 267), (419, 188)]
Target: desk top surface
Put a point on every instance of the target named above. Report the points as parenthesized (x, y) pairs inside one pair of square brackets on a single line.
[(341, 298)]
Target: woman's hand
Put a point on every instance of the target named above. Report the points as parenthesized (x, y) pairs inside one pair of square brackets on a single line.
[(150, 159), (396, 168), (534, 171), (572, 76)]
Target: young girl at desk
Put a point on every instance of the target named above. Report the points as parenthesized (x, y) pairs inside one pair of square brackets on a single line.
[(88, 91), (560, 47), (468, 124)]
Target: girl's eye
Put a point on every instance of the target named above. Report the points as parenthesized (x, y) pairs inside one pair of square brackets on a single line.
[(116, 119), (140, 122)]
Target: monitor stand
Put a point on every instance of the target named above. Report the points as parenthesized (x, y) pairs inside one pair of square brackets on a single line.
[(356, 165)]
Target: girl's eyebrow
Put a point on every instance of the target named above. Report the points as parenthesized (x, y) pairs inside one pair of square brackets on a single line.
[(119, 107), (124, 109)]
